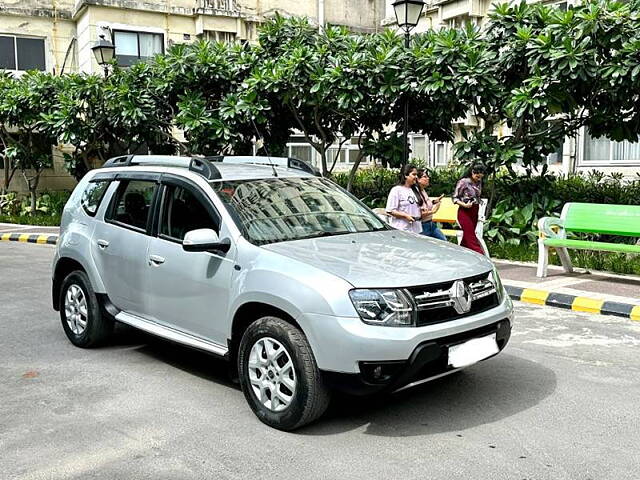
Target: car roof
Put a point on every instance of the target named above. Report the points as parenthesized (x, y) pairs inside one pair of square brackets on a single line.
[(213, 169)]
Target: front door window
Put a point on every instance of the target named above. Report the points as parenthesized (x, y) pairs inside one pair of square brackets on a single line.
[(182, 213)]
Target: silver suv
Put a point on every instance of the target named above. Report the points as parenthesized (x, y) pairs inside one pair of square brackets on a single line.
[(287, 276)]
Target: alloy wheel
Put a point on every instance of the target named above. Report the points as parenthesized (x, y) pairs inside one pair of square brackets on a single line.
[(75, 309), (272, 374)]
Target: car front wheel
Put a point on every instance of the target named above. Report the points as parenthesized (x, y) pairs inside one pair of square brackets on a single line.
[(279, 376)]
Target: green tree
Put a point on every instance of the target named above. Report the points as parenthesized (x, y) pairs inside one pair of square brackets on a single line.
[(104, 117), (199, 81), (555, 71), (27, 141)]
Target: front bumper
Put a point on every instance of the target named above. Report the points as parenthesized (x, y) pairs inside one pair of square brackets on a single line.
[(341, 344), (428, 360)]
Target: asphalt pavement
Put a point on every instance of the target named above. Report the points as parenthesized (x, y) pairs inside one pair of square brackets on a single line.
[(559, 403)]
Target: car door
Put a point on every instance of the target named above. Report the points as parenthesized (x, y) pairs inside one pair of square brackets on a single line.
[(188, 291), (120, 241)]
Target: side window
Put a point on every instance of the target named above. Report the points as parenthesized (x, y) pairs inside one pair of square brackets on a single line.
[(183, 212), (92, 196), (133, 202)]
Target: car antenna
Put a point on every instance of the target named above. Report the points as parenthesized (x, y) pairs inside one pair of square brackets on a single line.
[(264, 145)]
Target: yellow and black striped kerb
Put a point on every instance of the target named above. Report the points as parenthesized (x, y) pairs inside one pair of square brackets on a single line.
[(572, 302), (30, 238)]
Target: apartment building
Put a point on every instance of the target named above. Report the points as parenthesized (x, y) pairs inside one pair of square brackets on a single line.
[(57, 35)]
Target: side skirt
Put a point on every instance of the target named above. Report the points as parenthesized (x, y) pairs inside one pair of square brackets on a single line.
[(171, 334)]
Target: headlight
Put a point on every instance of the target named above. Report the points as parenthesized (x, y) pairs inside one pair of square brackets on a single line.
[(388, 307), (495, 279)]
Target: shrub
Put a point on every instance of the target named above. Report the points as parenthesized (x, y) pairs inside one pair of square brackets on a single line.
[(48, 204), (520, 200)]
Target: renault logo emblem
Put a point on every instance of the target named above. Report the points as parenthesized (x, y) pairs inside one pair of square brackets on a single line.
[(460, 296)]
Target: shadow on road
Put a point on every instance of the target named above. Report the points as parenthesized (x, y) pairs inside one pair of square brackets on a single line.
[(191, 361), (484, 393)]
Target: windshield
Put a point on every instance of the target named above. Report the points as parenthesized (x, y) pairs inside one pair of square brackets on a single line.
[(279, 209)]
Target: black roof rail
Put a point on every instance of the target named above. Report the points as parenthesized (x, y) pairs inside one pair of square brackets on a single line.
[(122, 161), (298, 164), (201, 166), (205, 167)]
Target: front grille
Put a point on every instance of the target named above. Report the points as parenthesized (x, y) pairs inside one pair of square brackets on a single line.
[(435, 305)]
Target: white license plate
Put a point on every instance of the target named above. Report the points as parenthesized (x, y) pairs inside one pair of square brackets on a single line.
[(472, 351)]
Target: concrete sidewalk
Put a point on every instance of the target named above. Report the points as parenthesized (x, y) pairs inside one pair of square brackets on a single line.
[(15, 228), (582, 290)]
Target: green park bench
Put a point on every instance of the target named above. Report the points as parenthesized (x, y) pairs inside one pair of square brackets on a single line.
[(623, 220)]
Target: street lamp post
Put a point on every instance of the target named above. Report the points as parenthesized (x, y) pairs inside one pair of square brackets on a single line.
[(407, 15), (104, 52)]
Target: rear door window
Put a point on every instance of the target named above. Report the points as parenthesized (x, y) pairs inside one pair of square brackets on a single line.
[(132, 203), (92, 196)]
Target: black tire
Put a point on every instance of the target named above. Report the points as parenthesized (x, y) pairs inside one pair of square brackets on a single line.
[(311, 396), (98, 328)]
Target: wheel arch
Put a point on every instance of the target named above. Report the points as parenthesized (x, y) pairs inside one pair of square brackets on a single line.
[(64, 267), (248, 313)]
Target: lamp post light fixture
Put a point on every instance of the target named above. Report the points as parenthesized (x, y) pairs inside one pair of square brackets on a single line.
[(407, 15), (104, 52)]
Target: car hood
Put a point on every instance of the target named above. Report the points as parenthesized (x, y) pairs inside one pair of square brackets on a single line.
[(385, 259)]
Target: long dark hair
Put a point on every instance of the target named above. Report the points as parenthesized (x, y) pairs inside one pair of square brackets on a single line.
[(404, 173), (419, 192), (475, 168)]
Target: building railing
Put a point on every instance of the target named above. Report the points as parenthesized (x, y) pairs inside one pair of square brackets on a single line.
[(218, 6)]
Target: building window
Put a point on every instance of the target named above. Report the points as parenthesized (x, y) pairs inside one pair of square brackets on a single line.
[(223, 37), (606, 152), (21, 53), (302, 152), (133, 47), (555, 158), (441, 153), (419, 147)]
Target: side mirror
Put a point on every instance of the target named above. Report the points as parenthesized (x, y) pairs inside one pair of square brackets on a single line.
[(205, 240)]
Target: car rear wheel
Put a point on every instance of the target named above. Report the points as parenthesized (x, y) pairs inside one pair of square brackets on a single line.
[(279, 376), (80, 313)]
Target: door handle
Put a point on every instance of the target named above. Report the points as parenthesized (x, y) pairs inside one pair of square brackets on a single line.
[(155, 260), (102, 244)]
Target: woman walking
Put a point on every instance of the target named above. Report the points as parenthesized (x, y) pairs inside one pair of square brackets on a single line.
[(428, 206), (402, 203), (467, 195)]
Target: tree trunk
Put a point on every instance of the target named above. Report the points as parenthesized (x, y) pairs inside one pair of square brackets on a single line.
[(5, 185), (323, 159), (354, 170), (32, 194), (492, 192)]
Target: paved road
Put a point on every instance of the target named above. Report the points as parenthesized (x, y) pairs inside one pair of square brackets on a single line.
[(560, 403)]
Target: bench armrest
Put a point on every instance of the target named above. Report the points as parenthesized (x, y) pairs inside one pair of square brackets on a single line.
[(545, 224)]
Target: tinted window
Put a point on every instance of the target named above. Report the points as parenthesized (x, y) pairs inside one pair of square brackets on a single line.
[(183, 212), (133, 203), (30, 53), (17, 53), (92, 196), (7, 53)]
